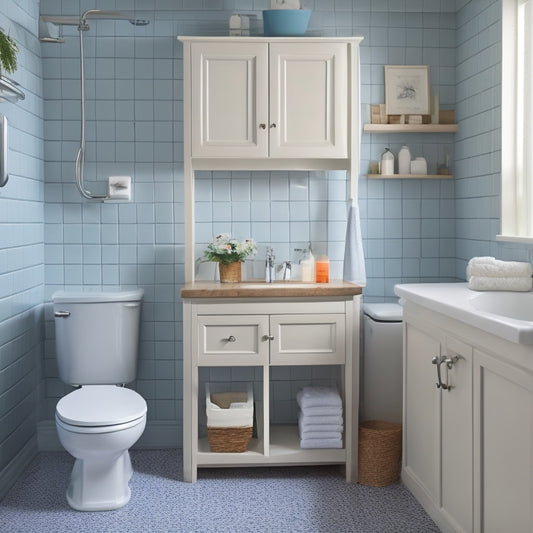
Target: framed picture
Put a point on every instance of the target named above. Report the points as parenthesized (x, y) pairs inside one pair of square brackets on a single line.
[(407, 89)]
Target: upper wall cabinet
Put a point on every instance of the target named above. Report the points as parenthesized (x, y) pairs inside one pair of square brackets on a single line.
[(299, 110), (268, 101)]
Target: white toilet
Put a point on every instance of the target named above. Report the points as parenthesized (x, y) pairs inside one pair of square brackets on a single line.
[(97, 341)]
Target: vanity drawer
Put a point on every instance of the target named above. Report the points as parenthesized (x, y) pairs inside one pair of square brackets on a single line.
[(226, 340), (307, 339)]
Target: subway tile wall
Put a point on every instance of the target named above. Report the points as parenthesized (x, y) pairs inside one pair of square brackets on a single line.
[(22, 268), (478, 143), (134, 127)]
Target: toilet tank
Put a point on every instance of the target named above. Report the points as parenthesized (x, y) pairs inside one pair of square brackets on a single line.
[(97, 336)]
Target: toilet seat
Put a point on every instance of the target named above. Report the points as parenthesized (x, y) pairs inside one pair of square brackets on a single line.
[(100, 406)]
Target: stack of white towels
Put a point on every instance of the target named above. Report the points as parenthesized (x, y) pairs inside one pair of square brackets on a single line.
[(320, 417), (489, 274)]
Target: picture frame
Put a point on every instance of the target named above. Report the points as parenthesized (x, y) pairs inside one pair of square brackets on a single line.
[(407, 89)]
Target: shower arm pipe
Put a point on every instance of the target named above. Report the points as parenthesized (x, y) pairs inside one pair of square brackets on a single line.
[(80, 158)]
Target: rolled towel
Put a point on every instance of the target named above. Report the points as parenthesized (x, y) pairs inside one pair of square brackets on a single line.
[(483, 283), (318, 397), (491, 267), (321, 443), (323, 411)]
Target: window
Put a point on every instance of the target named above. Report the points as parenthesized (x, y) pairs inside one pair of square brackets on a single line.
[(517, 121)]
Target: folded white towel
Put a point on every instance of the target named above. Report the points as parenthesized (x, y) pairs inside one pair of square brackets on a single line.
[(322, 411), (321, 435), (321, 443), (483, 283), (318, 397), (491, 267), (307, 428)]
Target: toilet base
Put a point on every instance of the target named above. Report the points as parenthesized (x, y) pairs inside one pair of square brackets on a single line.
[(100, 485)]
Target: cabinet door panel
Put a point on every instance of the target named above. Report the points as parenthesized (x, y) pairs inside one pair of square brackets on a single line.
[(503, 398), (456, 441), (421, 410), (229, 100), (307, 339), (308, 100), (232, 340)]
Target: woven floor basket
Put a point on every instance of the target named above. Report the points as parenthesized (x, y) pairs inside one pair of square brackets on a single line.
[(380, 453), (229, 439)]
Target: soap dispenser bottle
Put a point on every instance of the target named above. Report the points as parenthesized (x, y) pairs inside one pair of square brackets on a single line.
[(387, 162), (308, 266)]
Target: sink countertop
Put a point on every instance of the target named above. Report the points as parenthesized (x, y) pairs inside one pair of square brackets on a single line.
[(457, 301), (260, 289)]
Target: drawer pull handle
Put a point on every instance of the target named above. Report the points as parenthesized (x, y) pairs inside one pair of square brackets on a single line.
[(231, 338), (62, 314), (268, 337)]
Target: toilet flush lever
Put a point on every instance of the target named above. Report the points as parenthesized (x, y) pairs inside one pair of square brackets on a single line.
[(62, 314)]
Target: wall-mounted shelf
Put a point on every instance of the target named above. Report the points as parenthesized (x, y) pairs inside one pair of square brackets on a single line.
[(410, 128), (410, 176), (9, 91)]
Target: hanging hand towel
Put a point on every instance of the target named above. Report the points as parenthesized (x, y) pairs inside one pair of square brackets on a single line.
[(354, 260), (481, 283), (318, 397)]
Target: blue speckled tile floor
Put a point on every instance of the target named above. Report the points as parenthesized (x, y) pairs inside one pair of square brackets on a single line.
[(273, 500)]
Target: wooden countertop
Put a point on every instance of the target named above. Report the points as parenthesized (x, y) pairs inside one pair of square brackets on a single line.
[(260, 289)]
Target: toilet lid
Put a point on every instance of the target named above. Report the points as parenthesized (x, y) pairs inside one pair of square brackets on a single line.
[(100, 405)]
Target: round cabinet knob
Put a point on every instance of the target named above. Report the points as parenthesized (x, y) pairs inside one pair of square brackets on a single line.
[(231, 338), (262, 126), (273, 125), (268, 337)]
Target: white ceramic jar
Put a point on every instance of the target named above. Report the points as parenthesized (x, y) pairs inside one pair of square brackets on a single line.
[(404, 160), (387, 162)]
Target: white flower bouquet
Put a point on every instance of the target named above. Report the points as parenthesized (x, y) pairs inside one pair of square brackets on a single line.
[(225, 249)]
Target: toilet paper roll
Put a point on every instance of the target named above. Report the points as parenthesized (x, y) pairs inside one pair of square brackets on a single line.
[(119, 188)]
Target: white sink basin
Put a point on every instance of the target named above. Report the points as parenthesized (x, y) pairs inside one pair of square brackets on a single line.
[(508, 315), (515, 305)]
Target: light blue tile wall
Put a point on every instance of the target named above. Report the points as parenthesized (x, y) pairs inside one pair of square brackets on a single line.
[(21, 251), (135, 127), (478, 144)]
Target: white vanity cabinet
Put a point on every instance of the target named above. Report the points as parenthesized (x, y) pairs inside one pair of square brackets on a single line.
[(261, 98), (468, 447), (265, 333)]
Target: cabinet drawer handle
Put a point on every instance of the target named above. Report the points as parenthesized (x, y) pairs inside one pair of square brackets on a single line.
[(268, 337), (262, 126), (62, 314), (231, 338)]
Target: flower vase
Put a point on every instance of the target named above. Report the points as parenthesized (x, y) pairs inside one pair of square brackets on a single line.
[(230, 272)]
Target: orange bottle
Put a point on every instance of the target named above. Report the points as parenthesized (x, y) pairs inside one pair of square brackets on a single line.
[(322, 269)]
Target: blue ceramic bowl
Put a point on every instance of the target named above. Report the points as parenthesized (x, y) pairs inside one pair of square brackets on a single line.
[(285, 22)]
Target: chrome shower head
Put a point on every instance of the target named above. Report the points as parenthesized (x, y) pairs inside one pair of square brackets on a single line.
[(109, 15)]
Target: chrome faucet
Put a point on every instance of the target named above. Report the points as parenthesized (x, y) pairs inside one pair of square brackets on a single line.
[(269, 265), (287, 268)]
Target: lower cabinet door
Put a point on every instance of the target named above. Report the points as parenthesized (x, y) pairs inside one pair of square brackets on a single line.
[(503, 438), (421, 412), (307, 339)]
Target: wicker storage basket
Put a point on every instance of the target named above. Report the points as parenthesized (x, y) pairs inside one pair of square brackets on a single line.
[(380, 452), (229, 418)]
